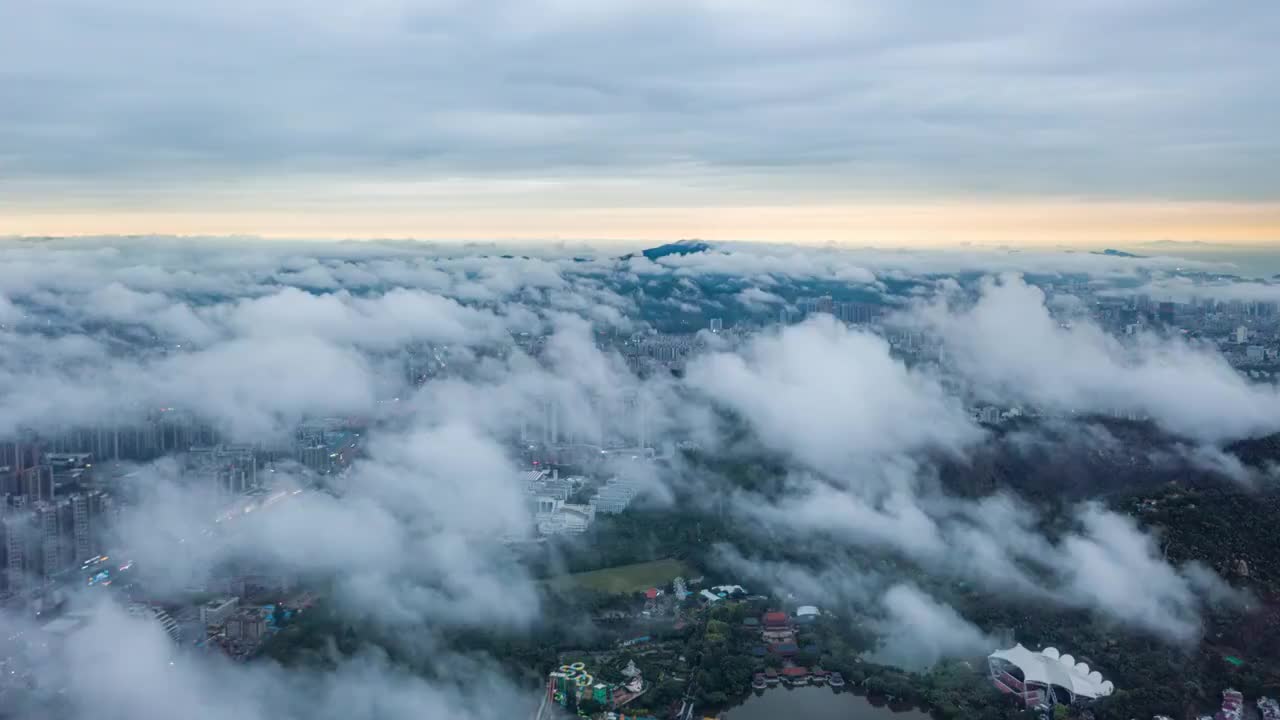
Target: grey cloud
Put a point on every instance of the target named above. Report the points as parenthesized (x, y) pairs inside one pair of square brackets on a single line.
[(415, 531), (125, 667), (918, 630), (279, 336), (385, 322), (763, 262), (1185, 289), (257, 388), (831, 396), (868, 96), (1105, 563), (757, 299), (1012, 350), (834, 400), (915, 629)]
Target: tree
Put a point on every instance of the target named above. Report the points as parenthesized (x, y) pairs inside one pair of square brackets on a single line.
[(947, 710), (716, 698), (667, 692)]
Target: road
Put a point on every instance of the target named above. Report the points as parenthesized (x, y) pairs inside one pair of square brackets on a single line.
[(541, 707)]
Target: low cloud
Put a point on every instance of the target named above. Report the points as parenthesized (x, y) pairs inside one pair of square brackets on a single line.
[(1012, 351), (832, 397), (516, 349), (918, 631), (121, 666)]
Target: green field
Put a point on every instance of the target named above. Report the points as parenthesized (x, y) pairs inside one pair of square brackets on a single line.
[(626, 578)]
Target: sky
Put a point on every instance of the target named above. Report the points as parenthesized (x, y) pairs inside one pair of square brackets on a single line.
[(813, 121)]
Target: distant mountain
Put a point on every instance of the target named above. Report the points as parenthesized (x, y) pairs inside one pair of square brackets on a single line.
[(683, 247), (1117, 253)]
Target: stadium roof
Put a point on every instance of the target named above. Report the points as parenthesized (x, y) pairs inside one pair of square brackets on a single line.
[(1047, 667)]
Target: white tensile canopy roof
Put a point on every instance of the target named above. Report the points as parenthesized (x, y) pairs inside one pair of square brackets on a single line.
[(1047, 667)]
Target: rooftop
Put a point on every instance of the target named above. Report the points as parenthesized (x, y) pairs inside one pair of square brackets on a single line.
[(1049, 667)]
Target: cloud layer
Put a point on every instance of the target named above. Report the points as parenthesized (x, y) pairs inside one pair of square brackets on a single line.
[(451, 110), (255, 338)]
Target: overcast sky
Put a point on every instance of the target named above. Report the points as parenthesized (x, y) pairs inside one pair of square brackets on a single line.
[(810, 120)]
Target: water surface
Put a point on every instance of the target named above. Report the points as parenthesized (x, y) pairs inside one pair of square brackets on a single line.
[(815, 703)]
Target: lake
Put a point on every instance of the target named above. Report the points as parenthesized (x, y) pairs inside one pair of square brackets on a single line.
[(815, 703)]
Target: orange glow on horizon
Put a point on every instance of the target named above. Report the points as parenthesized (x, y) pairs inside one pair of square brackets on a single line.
[(1051, 223)]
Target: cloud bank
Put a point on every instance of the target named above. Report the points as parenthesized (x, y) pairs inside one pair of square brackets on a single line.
[(458, 358)]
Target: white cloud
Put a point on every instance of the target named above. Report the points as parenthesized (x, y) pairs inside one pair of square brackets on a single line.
[(832, 397), (1011, 350)]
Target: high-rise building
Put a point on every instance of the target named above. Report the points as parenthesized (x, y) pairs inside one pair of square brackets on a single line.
[(1242, 335), (48, 537), (856, 312), (246, 625), (14, 528), (71, 470), (90, 513), (41, 540), (229, 469), (216, 611), (82, 528), (19, 454), (315, 457), (551, 425), (717, 325), (643, 420), (36, 483)]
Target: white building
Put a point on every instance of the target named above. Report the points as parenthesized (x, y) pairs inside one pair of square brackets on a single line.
[(228, 469), (1046, 677), (616, 495), (247, 625), (807, 612), (216, 611), (565, 519)]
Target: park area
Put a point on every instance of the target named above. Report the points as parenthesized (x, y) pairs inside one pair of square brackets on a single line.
[(626, 578)]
